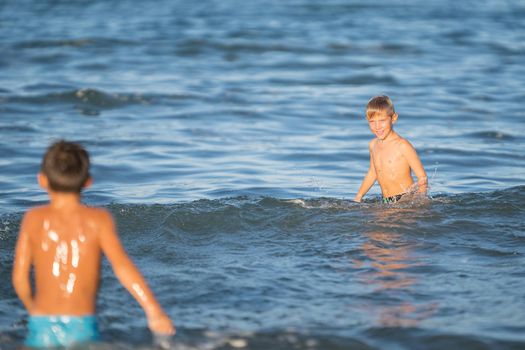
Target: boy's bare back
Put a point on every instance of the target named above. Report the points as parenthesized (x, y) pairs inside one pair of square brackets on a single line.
[(65, 247)]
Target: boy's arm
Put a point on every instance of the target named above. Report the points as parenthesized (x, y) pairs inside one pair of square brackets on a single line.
[(130, 277), (368, 181), (22, 265), (410, 154)]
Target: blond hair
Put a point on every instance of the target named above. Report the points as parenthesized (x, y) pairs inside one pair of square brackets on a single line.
[(379, 104)]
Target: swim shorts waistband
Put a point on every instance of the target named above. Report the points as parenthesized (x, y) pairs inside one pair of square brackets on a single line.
[(393, 199)]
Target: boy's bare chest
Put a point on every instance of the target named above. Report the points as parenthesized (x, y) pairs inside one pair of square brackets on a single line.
[(387, 158)]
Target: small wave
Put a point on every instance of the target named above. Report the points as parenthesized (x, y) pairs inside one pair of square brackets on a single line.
[(79, 42), (507, 198), (88, 99), (251, 214), (361, 79), (194, 47), (493, 252), (84, 98), (481, 212), (259, 47), (492, 135), (17, 128)]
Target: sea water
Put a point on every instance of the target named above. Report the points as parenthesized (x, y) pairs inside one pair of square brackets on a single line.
[(228, 139)]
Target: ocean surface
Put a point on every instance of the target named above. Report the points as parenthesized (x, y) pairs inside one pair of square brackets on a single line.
[(228, 139)]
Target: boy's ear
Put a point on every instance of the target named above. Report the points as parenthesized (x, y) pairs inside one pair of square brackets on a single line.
[(394, 118), (43, 181), (88, 182)]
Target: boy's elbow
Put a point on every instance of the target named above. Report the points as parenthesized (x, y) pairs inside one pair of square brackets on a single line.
[(121, 270), (126, 272)]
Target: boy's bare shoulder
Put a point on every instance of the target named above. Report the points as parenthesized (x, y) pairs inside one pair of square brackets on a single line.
[(36, 212), (372, 143), (34, 219), (404, 144)]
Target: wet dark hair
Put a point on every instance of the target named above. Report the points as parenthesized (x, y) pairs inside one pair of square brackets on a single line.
[(66, 165)]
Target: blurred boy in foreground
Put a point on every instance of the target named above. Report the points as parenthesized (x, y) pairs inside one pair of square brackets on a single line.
[(64, 241)]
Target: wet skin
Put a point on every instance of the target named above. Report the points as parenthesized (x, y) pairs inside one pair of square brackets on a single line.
[(64, 242), (392, 159)]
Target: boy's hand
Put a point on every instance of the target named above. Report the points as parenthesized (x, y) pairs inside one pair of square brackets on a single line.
[(161, 324)]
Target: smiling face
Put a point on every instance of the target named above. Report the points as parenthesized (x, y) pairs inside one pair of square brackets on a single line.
[(381, 124)]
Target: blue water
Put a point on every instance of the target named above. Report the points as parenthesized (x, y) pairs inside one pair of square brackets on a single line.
[(228, 138)]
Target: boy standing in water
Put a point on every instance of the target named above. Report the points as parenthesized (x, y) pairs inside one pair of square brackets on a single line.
[(64, 241), (392, 158)]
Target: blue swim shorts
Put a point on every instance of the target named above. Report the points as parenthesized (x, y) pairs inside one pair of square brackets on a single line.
[(54, 331)]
